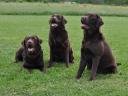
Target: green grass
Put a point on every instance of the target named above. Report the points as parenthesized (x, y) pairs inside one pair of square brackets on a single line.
[(59, 80), (65, 9)]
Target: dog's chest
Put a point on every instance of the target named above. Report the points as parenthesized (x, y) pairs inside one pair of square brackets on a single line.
[(58, 39), (88, 44), (95, 47)]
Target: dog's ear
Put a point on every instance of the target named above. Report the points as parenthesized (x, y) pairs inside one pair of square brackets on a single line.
[(64, 21), (100, 21), (23, 42), (38, 40)]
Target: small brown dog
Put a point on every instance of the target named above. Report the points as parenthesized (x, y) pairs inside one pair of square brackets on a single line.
[(31, 54), (95, 52), (60, 50)]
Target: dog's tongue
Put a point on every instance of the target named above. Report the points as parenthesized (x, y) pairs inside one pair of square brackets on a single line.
[(83, 26), (54, 25), (30, 49)]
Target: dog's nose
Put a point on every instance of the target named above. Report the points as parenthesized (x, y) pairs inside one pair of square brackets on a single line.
[(54, 17), (30, 41)]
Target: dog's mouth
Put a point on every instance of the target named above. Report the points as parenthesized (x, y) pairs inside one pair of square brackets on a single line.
[(31, 51), (85, 26), (54, 25), (30, 47), (54, 22)]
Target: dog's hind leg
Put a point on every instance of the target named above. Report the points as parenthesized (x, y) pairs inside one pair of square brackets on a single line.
[(67, 57)]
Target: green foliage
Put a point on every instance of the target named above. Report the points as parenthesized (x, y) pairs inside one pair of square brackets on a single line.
[(59, 80), (116, 2), (24, 0), (25, 8)]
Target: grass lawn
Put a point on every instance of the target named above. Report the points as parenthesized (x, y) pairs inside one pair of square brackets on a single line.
[(66, 9), (59, 80)]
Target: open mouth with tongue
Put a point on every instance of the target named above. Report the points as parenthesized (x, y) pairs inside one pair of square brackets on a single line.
[(84, 22), (30, 46), (31, 50), (54, 25), (54, 22)]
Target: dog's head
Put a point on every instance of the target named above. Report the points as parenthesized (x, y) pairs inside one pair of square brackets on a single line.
[(57, 21), (31, 44), (91, 21)]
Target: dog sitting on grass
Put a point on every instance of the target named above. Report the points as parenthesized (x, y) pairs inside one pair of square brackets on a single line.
[(31, 54), (95, 52), (60, 50)]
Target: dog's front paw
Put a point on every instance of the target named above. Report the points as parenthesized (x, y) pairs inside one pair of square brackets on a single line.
[(78, 77), (92, 78), (67, 65)]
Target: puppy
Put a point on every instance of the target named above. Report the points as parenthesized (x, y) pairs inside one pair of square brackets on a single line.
[(60, 50), (95, 52), (31, 53)]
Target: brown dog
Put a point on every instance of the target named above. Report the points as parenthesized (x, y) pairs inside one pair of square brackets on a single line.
[(31, 53), (60, 50), (95, 52)]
